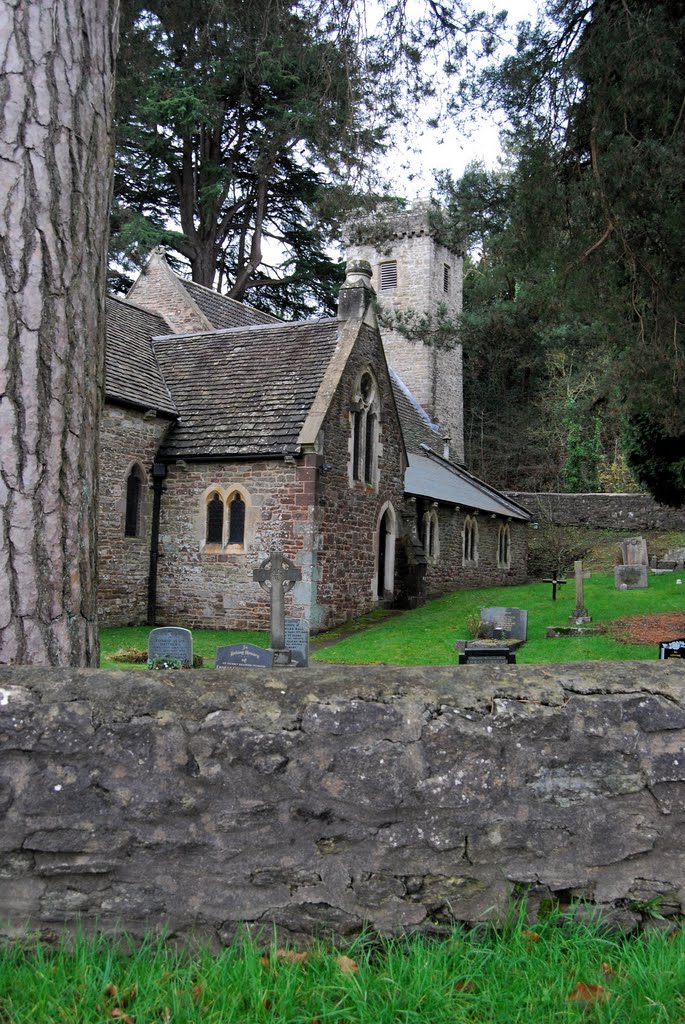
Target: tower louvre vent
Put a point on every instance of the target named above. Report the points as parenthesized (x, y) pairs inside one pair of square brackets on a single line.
[(388, 275)]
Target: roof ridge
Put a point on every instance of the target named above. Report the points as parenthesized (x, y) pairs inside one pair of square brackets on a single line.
[(219, 331)]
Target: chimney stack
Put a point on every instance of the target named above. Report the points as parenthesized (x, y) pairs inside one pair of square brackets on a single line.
[(357, 292)]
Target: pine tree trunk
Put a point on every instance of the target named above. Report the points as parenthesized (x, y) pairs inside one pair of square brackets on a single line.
[(56, 79)]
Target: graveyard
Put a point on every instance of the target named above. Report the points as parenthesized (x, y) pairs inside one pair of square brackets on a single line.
[(427, 635)]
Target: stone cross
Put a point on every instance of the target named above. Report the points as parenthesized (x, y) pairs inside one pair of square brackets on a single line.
[(277, 575), (579, 613)]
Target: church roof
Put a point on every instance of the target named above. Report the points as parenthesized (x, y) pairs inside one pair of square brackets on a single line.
[(430, 476), (132, 373), (223, 312), (244, 392), (417, 427)]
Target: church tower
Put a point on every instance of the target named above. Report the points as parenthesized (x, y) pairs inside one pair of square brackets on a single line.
[(413, 270)]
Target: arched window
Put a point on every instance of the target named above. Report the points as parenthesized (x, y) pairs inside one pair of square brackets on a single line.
[(214, 533), (431, 539), (134, 487), (229, 522), (236, 519), (365, 408), (470, 554), (504, 547)]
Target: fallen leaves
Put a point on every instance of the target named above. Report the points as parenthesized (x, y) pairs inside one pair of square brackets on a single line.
[(347, 965), (583, 993)]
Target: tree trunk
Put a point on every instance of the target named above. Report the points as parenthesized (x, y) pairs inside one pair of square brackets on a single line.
[(56, 80)]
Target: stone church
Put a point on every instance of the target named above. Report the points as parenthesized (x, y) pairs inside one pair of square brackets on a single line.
[(227, 432)]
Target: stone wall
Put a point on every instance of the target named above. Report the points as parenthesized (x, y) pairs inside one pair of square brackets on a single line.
[(613, 511), (212, 588), (449, 572), (326, 798), (127, 438), (434, 376), (348, 511)]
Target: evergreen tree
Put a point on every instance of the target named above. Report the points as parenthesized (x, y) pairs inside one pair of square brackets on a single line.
[(244, 128), (599, 89)]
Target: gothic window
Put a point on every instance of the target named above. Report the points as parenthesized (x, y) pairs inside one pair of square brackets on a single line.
[(215, 520), (236, 520), (504, 547), (470, 555), (446, 277), (431, 541), (365, 406), (134, 486), (388, 275)]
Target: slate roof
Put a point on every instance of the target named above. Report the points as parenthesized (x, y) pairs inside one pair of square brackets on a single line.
[(417, 428), (433, 477), (132, 373), (223, 312), (244, 392)]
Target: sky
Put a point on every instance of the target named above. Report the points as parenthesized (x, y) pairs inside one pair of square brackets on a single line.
[(411, 174)]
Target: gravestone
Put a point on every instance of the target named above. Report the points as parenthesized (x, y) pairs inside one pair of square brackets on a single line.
[(672, 649), (245, 655), (634, 551), (171, 642), (512, 623), (277, 575), (297, 640), (630, 577)]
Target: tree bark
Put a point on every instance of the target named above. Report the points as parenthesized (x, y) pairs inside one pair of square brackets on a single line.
[(56, 83)]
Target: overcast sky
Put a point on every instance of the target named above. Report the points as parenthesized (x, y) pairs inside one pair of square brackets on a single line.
[(411, 173)]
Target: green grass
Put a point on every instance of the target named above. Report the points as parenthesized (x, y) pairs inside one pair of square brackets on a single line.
[(426, 635), (478, 977)]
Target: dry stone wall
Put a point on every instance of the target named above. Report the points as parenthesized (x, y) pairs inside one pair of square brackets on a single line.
[(324, 799), (612, 511)]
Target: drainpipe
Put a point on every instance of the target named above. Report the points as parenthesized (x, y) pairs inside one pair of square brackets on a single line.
[(159, 472)]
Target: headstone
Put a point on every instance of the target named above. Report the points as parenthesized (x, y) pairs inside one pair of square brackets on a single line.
[(579, 613), (277, 575), (630, 577), (297, 640), (556, 582), (171, 642), (244, 654), (676, 556), (672, 649), (634, 551), (512, 623)]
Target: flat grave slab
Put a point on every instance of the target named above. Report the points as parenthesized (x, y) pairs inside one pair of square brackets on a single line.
[(497, 654), (245, 655), (171, 642), (513, 623)]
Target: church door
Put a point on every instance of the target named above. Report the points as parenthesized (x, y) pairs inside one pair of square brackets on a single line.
[(386, 555)]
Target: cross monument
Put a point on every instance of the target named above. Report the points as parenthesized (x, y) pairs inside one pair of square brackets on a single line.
[(579, 613), (277, 575)]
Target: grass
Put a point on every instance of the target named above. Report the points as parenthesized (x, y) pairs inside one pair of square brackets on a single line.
[(561, 972), (426, 636)]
